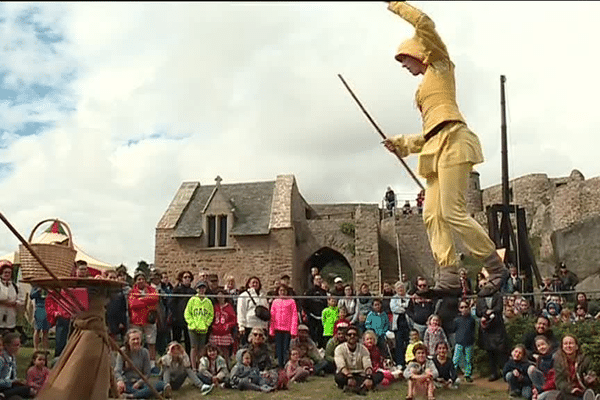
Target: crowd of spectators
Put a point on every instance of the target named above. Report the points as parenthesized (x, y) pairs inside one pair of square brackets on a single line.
[(248, 338)]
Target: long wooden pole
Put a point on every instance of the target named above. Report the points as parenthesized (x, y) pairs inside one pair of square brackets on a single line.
[(380, 131)]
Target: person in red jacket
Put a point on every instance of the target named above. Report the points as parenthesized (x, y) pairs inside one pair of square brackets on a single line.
[(283, 324), (223, 325), (143, 303)]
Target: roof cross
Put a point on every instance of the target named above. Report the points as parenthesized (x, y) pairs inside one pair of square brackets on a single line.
[(218, 179)]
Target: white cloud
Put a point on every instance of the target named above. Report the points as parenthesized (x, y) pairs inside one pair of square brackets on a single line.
[(162, 93)]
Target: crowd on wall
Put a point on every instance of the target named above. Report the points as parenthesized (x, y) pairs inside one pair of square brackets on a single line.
[(251, 338)]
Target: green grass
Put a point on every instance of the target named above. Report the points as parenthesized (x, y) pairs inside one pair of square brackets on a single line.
[(324, 388)]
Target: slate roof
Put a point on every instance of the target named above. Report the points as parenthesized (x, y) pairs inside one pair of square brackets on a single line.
[(251, 203)]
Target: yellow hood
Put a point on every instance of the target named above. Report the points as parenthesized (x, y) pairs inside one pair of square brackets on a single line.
[(413, 48)]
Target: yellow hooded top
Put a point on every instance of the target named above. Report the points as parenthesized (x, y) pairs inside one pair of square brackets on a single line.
[(435, 97)]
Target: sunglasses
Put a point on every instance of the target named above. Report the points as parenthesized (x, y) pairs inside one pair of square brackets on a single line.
[(421, 285), (351, 334), (258, 334)]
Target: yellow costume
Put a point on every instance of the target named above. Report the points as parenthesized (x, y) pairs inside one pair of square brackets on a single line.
[(447, 152)]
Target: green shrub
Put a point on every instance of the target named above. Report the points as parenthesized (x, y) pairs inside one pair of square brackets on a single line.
[(586, 332), (348, 228)]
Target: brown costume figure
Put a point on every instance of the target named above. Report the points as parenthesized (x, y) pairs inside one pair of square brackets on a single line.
[(447, 152)]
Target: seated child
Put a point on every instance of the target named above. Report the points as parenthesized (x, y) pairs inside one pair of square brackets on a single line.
[(293, 370), (447, 376), (542, 373), (38, 372), (414, 339), (176, 367), (377, 360), (246, 377), (515, 373), (420, 373), (212, 368)]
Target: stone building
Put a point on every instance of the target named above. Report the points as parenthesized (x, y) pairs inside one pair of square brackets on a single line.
[(268, 229)]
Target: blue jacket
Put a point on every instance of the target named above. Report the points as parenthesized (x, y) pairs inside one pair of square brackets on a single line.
[(379, 322), (8, 370)]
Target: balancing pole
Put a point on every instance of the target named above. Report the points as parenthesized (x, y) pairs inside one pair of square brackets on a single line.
[(380, 131)]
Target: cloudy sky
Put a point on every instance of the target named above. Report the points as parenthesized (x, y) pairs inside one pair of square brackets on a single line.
[(105, 108)]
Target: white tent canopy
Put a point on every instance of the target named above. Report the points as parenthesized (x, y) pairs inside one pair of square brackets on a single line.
[(53, 237)]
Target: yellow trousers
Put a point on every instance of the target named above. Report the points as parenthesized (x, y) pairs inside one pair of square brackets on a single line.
[(445, 213)]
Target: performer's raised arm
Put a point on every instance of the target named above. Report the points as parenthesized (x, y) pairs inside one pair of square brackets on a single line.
[(434, 47)]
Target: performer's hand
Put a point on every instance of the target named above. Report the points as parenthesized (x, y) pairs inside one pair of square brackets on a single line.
[(397, 145)]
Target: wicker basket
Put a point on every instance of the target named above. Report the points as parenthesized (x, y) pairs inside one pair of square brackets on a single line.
[(59, 258)]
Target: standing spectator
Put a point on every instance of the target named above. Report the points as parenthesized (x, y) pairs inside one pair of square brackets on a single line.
[(409, 286), (387, 292), (223, 326), (420, 374), (568, 279), (167, 289), (350, 303), (213, 286), (378, 322), (365, 300), (41, 328), (182, 292), (116, 310), (128, 381), (447, 309), (10, 385), (398, 305), (464, 336), (283, 324), (329, 317), (406, 209), (231, 290), (420, 308), (314, 306), (11, 298), (163, 334), (434, 334), (514, 283), (353, 363), (390, 200), (198, 314), (420, 200), (465, 284), (246, 309), (143, 303), (338, 287), (492, 333)]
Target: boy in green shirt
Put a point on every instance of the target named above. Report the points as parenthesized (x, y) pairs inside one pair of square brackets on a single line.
[(329, 317)]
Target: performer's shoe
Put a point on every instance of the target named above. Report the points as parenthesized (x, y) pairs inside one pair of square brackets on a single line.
[(497, 275), (448, 285)]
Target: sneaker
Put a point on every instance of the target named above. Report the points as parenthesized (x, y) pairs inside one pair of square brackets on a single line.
[(206, 389), (168, 391), (515, 393), (266, 388), (469, 379), (589, 395)]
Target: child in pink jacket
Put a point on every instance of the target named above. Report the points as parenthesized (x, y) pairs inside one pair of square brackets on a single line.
[(283, 324)]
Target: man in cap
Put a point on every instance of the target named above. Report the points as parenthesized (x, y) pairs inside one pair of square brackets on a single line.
[(303, 341), (338, 287), (143, 303)]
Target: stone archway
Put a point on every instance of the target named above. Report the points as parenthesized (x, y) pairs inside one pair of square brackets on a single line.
[(330, 264)]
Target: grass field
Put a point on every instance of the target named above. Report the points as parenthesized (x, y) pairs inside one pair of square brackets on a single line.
[(318, 388)]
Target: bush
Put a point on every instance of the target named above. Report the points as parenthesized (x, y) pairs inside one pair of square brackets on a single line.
[(586, 333)]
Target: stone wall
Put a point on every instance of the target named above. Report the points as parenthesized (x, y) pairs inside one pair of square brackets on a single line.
[(366, 261), (266, 256)]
